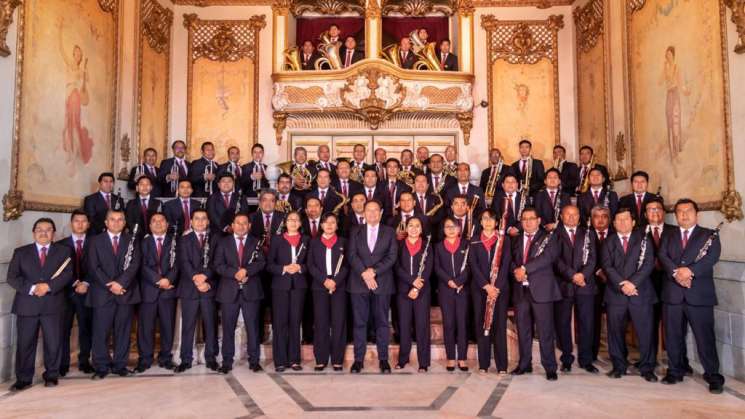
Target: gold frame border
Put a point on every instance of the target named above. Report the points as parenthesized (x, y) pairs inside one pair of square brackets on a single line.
[(728, 157), (45, 206)]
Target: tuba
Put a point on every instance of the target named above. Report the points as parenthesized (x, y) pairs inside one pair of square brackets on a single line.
[(292, 59), (391, 54), (427, 57), (330, 53)]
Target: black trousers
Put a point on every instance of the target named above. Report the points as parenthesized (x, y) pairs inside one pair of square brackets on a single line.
[(497, 338), (76, 308), (598, 310), (584, 327), (164, 309), (701, 318), (642, 317), (229, 313), (454, 307), (287, 314), (28, 337), (414, 313), (362, 304), (330, 326), (527, 311), (191, 310), (116, 318)]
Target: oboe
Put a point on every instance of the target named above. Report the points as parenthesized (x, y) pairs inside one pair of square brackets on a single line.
[(174, 176), (130, 248), (172, 250)]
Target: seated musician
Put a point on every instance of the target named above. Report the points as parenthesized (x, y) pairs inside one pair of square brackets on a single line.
[(448, 61), (349, 53), (334, 34), (406, 56), (308, 56)]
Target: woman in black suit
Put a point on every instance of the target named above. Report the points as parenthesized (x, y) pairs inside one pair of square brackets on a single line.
[(452, 272), (481, 259), (286, 263), (328, 272), (414, 293)]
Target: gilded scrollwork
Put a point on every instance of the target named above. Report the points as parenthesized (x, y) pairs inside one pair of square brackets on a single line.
[(589, 23), (418, 8), (328, 7), (156, 25), (738, 18), (7, 7)]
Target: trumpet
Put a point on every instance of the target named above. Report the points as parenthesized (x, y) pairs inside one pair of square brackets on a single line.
[(208, 170), (585, 184), (491, 186)]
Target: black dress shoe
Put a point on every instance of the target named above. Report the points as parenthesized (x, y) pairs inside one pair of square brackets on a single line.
[(141, 368), (167, 364), (716, 388), (566, 367), (20, 385), (99, 375), (521, 371), (356, 367), (671, 379), (338, 368), (122, 372), (385, 367), (650, 377), (256, 368), (451, 369), (319, 367), (63, 372), (400, 366), (225, 369), (463, 368), (591, 369), (688, 370), (280, 368), (423, 369), (552, 376), (182, 367), (86, 368), (52, 382), (212, 365), (297, 367), (614, 373)]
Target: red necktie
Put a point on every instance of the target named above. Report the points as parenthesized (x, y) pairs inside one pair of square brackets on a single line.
[(685, 239), (314, 228), (43, 256), (369, 195), (159, 248), (267, 222), (321, 195), (596, 195), (241, 248), (226, 199), (187, 215), (181, 169), (601, 235), (238, 170), (392, 190), (437, 182), (523, 168), (344, 188), (143, 208), (201, 240), (526, 251), (572, 235), (78, 255), (553, 197), (442, 60), (510, 208), (639, 205), (625, 240), (422, 203), (115, 244), (656, 236), (348, 61), (108, 201), (464, 190)]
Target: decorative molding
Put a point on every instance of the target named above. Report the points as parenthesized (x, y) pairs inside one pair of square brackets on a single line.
[(327, 7), (373, 11), (109, 6), (738, 18), (418, 8), (7, 7), (207, 3), (125, 153), (281, 7), (465, 120), (589, 23), (633, 6), (620, 148), (13, 205), (732, 205), (280, 122), (541, 4), (465, 7)]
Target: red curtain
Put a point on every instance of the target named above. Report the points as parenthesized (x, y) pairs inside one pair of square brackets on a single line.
[(395, 28), (310, 28)]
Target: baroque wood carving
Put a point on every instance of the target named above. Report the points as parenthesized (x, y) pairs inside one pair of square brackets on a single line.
[(7, 7), (738, 18), (589, 22)]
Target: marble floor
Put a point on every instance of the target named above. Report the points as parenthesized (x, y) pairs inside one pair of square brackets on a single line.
[(200, 393)]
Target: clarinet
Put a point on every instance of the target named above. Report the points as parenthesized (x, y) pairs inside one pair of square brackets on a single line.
[(540, 250), (238, 202), (557, 206), (130, 248), (338, 267), (586, 245), (254, 254), (420, 272), (174, 171), (172, 250), (705, 249), (206, 251), (465, 257), (642, 253)]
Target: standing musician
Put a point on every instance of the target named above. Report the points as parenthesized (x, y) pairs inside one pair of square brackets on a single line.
[(586, 164), (465, 218), (287, 198), (324, 160), (224, 204), (413, 273), (448, 60), (550, 200), (422, 159), (534, 293), (407, 163), (196, 290), (254, 179), (233, 166), (142, 207), (491, 179), (429, 205), (528, 170), (372, 253), (356, 216), (302, 172), (238, 262), (342, 181), (450, 265), (438, 180), (146, 167), (575, 268), (267, 222), (178, 211), (373, 189), (328, 277), (628, 260), (203, 172), (569, 170), (39, 273), (407, 210), (600, 230), (287, 265), (511, 201), (465, 188), (393, 186), (358, 165), (639, 197), (173, 170), (490, 261), (158, 281), (688, 294), (380, 158), (450, 166), (98, 204), (325, 193), (113, 262), (597, 194)]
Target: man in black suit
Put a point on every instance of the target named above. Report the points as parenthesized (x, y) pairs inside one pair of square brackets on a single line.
[(463, 186), (291, 200), (203, 172), (576, 270), (438, 180), (689, 296), (393, 186), (492, 177), (372, 254), (349, 54), (178, 211), (639, 197), (448, 61), (98, 203), (197, 287), (158, 281), (550, 200), (373, 189), (141, 208), (597, 194), (628, 260), (173, 169), (534, 254), (356, 216), (600, 230), (380, 158), (233, 165), (521, 166), (238, 262), (569, 170), (146, 167), (358, 164), (427, 203), (324, 160), (39, 273), (407, 162), (406, 57), (422, 159), (303, 172), (343, 183), (266, 220), (224, 204), (113, 294), (324, 192), (586, 164), (308, 56), (253, 179), (78, 243), (510, 200)]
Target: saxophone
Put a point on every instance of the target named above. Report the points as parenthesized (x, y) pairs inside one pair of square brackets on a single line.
[(585, 182), (356, 173), (340, 205), (491, 186), (432, 211)]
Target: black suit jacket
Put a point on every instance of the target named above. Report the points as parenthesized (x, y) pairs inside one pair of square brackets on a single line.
[(353, 187), (357, 55), (191, 261), (486, 175), (407, 62), (174, 212), (165, 169), (546, 208), (382, 259), (391, 201), (134, 215), (407, 267), (569, 177), (95, 208), (673, 256), (451, 62), (598, 166), (542, 282), (629, 201), (330, 200), (227, 265), (79, 267), (481, 260), (619, 267), (104, 266), (234, 169), (257, 224), (448, 266), (349, 224), (316, 264), (498, 206), (586, 201), (280, 254), (295, 199), (570, 261), (308, 64), (247, 184), (152, 173), (154, 268), (196, 175), (536, 178), (454, 190), (221, 216), (25, 271)]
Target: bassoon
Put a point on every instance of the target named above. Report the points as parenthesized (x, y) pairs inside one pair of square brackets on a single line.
[(494, 271)]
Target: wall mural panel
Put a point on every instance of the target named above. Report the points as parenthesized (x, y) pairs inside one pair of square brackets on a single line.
[(679, 100), (65, 108)]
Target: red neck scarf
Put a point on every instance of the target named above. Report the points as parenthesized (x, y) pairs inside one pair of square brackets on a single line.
[(293, 240), (488, 242), (330, 242), (415, 247), (452, 248)]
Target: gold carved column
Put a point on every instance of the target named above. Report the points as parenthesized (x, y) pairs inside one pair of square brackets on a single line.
[(373, 29), (465, 10), (280, 32)]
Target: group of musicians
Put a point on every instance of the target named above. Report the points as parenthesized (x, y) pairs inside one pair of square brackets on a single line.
[(347, 237)]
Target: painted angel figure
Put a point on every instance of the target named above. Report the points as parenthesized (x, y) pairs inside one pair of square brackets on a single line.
[(674, 86)]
